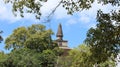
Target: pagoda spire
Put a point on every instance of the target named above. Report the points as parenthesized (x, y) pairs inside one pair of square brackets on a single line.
[(59, 33)]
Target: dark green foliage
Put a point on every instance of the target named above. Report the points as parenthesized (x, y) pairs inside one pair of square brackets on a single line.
[(104, 40), (29, 58), (26, 6), (112, 2), (20, 58), (73, 6), (76, 5), (24, 57), (48, 58), (34, 6), (1, 38)]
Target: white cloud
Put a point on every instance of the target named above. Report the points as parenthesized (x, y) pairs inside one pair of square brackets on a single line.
[(84, 16), (71, 22), (84, 19), (48, 7), (6, 13), (93, 10), (88, 17), (61, 13)]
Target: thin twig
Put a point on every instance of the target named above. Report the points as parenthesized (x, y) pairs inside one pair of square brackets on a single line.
[(53, 11)]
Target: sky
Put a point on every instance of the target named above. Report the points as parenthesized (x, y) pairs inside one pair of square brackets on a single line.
[(74, 26)]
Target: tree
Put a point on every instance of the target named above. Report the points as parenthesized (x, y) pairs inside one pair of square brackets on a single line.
[(82, 57), (24, 57), (78, 57), (3, 57), (78, 5), (108, 63), (104, 40), (19, 58), (33, 6), (31, 47), (48, 58), (33, 37)]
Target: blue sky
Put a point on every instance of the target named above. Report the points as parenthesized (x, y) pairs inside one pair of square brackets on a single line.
[(74, 26)]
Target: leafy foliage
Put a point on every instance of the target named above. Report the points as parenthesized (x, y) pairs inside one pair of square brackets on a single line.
[(33, 37), (48, 58), (2, 56), (17, 39), (31, 47), (29, 58), (26, 6), (21, 58), (108, 63), (33, 6), (78, 5), (82, 57), (104, 40), (78, 57)]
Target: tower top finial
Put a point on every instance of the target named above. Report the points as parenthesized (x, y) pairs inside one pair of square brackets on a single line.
[(59, 32)]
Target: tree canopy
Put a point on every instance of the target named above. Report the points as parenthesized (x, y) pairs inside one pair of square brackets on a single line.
[(33, 37), (24, 57), (34, 6), (104, 40), (82, 57), (78, 5), (26, 6), (31, 46)]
